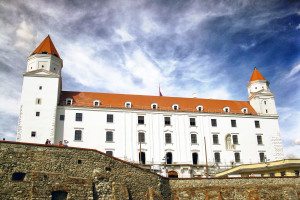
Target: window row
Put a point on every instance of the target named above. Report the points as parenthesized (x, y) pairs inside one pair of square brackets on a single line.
[(153, 106), (233, 123), (237, 157), (233, 139)]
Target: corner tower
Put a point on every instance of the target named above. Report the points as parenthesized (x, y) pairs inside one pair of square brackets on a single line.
[(40, 94), (260, 96)]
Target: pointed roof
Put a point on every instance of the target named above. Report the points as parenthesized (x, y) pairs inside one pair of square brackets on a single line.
[(46, 47), (256, 75)]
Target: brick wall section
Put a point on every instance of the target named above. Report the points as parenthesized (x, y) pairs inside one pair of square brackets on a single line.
[(90, 174)]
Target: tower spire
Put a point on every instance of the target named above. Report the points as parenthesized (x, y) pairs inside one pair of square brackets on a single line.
[(46, 47), (256, 75)]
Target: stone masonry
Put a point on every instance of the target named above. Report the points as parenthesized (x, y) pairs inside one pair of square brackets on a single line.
[(31, 171)]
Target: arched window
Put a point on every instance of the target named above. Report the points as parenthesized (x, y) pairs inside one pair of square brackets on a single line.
[(169, 158), (199, 108), (141, 137), (128, 104), (142, 158), (69, 101), (175, 107), (172, 174), (226, 109), (168, 138), (195, 158), (154, 106), (109, 136)]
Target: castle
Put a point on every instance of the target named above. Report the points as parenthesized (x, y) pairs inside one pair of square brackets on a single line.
[(170, 135)]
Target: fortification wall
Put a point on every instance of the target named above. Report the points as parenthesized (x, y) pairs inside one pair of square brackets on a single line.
[(89, 174)]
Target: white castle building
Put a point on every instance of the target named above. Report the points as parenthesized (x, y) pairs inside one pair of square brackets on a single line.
[(169, 134)]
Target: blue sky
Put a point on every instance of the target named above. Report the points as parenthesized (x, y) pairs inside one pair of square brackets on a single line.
[(205, 47)]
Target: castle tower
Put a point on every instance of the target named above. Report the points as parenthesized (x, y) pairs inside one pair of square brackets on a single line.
[(260, 96), (40, 94)]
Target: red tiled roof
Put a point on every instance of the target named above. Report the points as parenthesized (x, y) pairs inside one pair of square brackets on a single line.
[(256, 75), (143, 102), (46, 46)]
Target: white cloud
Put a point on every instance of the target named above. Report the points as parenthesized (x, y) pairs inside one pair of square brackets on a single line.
[(298, 27), (124, 35), (295, 70), (25, 36)]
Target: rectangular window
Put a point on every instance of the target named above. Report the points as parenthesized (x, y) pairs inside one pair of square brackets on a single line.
[(194, 138), (61, 117), (217, 157), (233, 123), (192, 122), (297, 173), (33, 133), (109, 153), (167, 121), (109, 136), (235, 139), (213, 122), (141, 120), (272, 174), (38, 101), (257, 124), (141, 137), (78, 117), (259, 139), (282, 174), (237, 157), (40, 87), (109, 118), (262, 157), (215, 139), (168, 138), (37, 114), (78, 135)]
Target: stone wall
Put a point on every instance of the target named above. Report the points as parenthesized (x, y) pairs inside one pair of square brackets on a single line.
[(90, 174)]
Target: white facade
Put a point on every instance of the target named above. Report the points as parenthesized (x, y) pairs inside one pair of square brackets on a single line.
[(256, 137)]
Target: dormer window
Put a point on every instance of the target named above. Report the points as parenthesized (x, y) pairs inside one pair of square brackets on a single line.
[(226, 109), (96, 103), (128, 104), (199, 108), (245, 110), (175, 107), (154, 106), (69, 101)]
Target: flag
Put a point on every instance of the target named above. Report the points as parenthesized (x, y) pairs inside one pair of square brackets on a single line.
[(159, 92)]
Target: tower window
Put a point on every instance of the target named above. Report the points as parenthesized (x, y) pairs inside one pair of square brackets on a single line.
[(192, 122), (37, 114), (42, 66), (141, 120), (257, 124), (54, 68), (233, 123), (215, 139), (237, 157), (266, 111), (61, 117), (40, 87), (259, 139), (265, 102), (109, 118), (33, 133), (194, 138), (235, 139), (167, 121), (217, 157), (78, 117), (168, 138), (141, 137), (38, 101), (213, 122), (78, 135), (109, 136)]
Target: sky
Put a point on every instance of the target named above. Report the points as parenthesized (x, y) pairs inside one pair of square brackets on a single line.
[(205, 47)]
